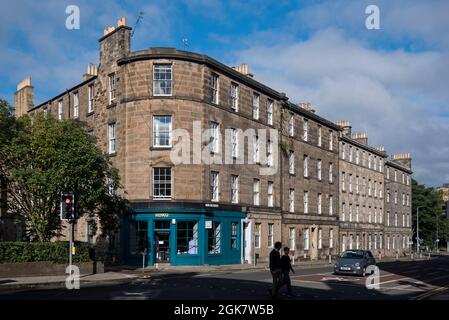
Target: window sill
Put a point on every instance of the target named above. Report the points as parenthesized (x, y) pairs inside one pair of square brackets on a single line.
[(162, 199), (88, 114), (112, 154), (161, 148), (111, 105)]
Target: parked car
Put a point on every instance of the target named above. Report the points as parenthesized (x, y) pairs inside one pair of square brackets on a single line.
[(354, 262)]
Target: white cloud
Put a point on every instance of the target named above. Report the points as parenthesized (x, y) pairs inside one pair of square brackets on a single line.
[(393, 95)]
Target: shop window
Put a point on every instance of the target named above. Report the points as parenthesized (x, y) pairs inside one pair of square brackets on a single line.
[(187, 237), (138, 240), (234, 230), (214, 237)]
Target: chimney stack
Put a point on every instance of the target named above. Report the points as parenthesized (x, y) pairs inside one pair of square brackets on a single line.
[(307, 106), (91, 71), (403, 158), (23, 98), (361, 137), (243, 68), (346, 126), (115, 43)]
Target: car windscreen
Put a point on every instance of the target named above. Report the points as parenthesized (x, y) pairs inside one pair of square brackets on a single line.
[(352, 255)]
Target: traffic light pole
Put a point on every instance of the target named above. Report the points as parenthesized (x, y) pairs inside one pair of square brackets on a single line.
[(70, 245)]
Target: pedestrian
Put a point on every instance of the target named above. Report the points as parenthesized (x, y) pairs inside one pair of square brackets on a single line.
[(275, 268), (286, 267)]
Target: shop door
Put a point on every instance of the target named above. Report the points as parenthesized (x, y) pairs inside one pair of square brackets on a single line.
[(162, 242)]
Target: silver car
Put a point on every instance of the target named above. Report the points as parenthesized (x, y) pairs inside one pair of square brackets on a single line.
[(354, 262)]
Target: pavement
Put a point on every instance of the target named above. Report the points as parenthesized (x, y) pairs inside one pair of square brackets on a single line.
[(399, 280)]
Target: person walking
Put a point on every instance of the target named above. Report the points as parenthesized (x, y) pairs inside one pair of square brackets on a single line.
[(286, 267), (275, 268)]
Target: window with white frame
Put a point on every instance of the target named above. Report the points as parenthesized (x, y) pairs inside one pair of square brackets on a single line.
[(270, 194), (380, 241), (388, 195), (306, 165), (403, 199), (395, 197), (270, 235), (162, 80), (375, 215), (76, 111), (375, 189), (305, 128), (350, 212), (257, 232), (357, 178), (320, 238), (370, 243), (331, 140), (60, 110), (343, 182), (215, 137), (90, 93), (350, 154), (256, 155), (395, 176), (343, 243), (291, 163), (395, 219), (408, 180), (408, 200), (214, 186), (350, 182), (162, 129), (256, 192), (369, 187), (111, 136), (318, 165), (256, 101), (394, 242), (270, 153), (162, 185), (331, 172), (403, 178), (307, 239), (343, 211), (363, 158), (291, 125), (380, 215), (381, 165), (357, 219), (291, 200), (234, 96), (375, 242), (234, 188), (375, 163), (320, 203), (292, 238), (369, 215), (331, 238), (388, 218), (388, 173), (234, 143), (357, 241), (112, 87), (320, 137), (357, 156), (306, 202), (388, 242), (370, 160), (380, 190), (351, 241), (343, 151), (331, 204), (214, 87), (403, 220), (270, 112)]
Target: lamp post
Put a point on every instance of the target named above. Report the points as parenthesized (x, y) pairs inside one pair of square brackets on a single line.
[(417, 230)]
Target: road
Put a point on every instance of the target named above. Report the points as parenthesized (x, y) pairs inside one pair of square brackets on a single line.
[(398, 281)]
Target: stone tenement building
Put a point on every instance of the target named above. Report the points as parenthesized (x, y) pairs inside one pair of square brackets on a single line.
[(264, 170)]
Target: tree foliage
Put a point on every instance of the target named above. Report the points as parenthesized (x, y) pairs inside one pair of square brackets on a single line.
[(430, 202), (42, 157)]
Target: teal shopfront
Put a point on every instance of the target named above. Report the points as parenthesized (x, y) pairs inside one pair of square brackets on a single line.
[(182, 237)]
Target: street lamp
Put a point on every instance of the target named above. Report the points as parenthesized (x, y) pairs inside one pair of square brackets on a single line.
[(417, 229)]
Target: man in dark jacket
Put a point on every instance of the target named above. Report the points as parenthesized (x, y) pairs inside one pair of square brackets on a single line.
[(275, 268), (286, 267)]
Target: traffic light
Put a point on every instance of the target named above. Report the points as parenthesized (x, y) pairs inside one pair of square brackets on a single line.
[(68, 207)]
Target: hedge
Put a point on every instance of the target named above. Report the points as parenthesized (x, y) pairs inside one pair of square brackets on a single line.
[(58, 252)]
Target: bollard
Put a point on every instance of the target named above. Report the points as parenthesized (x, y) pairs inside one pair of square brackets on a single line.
[(330, 259)]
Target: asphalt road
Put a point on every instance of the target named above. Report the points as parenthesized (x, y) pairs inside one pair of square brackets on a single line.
[(398, 281)]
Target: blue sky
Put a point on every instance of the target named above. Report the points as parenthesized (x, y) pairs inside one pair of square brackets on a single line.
[(392, 83)]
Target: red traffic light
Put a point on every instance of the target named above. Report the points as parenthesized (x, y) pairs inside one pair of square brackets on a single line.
[(68, 200)]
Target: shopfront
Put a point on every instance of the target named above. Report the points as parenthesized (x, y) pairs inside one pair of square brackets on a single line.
[(182, 237)]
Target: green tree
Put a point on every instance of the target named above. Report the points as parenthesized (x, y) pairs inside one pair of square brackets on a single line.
[(430, 202), (45, 157)]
